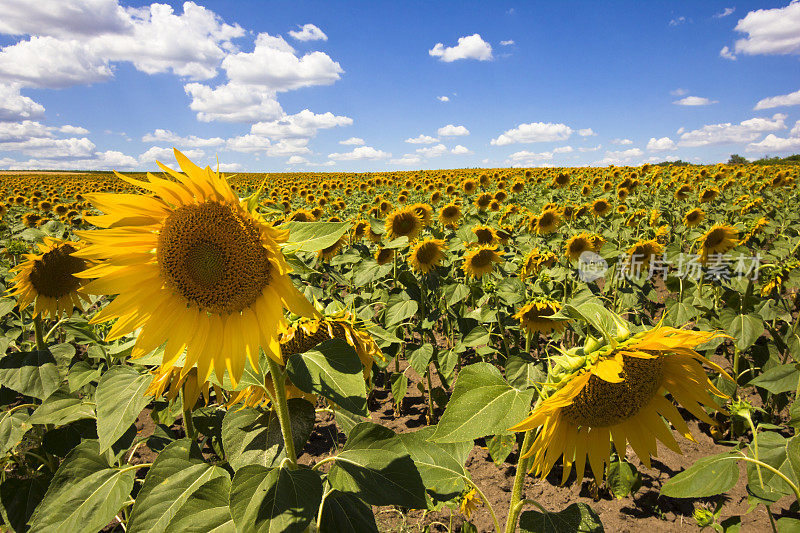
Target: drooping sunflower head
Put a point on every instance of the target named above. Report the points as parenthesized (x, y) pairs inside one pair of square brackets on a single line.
[(535, 261), (326, 254), (403, 223), (601, 207), (450, 214), (537, 316), (480, 261), (682, 192), (483, 201), (708, 195), (618, 393), (47, 279), (718, 240), (384, 255), (694, 217), (578, 244), (426, 255), (360, 230), (641, 254), (486, 235), (561, 180), (193, 266)]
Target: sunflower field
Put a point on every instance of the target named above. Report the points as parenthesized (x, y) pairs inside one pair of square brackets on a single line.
[(540, 350)]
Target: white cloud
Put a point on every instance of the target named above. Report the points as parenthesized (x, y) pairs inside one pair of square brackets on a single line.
[(727, 53), (433, 151), (745, 131), (527, 157), (275, 65), (590, 149), (422, 139), (694, 101), (22, 131), (226, 167), (157, 153), (62, 18), (586, 132), (443, 98), (50, 148), (534, 132), (108, 160), (361, 152), (407, 159), (192, 141), (461, 150), (796, 130), (233, 103), (73, 130), (297, 160), (309, 32), (506, 43), (621, 141), (725, 12), (14, 106), (677, 21), (679, 92), (657, 145), (302, 125), (780, 100), (770, 31), (773, 143), (250, 143), (452, 131), (563, 150), (470, 47), (353, 141)]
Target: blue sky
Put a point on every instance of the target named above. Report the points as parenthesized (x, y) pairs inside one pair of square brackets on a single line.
[(335, 86)]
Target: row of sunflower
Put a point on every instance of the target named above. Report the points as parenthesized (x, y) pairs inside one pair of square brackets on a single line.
[(565, 292)]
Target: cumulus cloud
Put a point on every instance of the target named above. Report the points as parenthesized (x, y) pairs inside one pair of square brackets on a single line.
[(433, 151), (534, 132), (302, 125), (727, 133), (461, 150), (164, 155), (769, 32), (563, 150), (526, 157), (22, 131), (443, 98), (694, 101), (422, 139), (586, 132), (51, 148), (726, 53), (353, 141), (297, 160), (108, 160), (780, 100), (259, 144), (621, 141), (452, 131), (591, 148), (407, 159), (309, 32), (233, 103), (361, 152), (658, 145), (15, 107), (169, 137), (469, 47), (773, 143)]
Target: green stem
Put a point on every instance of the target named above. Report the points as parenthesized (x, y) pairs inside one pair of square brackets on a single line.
[(53, 329), (326, 460), (775, 471), (519, 480), (37, 326), (430, 388), (188, 421), (135, 467), (282, 409)]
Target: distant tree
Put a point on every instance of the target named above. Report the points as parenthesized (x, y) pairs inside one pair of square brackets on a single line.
[(736, 159)]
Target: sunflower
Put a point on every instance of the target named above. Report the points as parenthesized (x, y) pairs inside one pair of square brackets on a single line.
[(545, 223), (561, 180), (642, 253), (470, 503), (617, 393), (601, 207), (426, 255), (682, 193), (403, 223), (326, 254), (718, 240), (359, 230), (469, 186), (47, 279), (384, 255), (450, 214), (694, 217), (483, 201), (583, 242), (536, 316), (480, 261), (708, 195), (169, 381), (194, 267), (486, 235), (535, 261), (302, 215)]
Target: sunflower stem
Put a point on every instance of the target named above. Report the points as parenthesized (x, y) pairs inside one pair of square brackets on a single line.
[(519, 479), (38, 328), (282, 409), (188, 421)]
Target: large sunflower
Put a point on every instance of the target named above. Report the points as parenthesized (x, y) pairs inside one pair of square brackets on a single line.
[(536, 316), (718, 240), (694, 217), (47, 279), (545, 223), (403, 223), (194, 267), (583, 242), (480, 262), (426, 255), (450, 214), (619, 394)]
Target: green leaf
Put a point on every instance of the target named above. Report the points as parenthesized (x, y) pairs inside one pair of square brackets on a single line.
[(176, 474), (500, 447), (252, 437), (454, 293), (606, 322), (778, 379), (375, 465), (120, 398), (420, 358), (81, 374), (523, 374), (6, 306), (347, 420), (400, 311), (578, 517), (477, 337), (787, 525), (776, 451), (511, 291), (333, 370), (274, 500), (206, 510), (399, 384), (708, 476), (623, 479), (482, 404), (61, 408), (313, 236), (19, 498), (30, 373), (12, 428), (345, 513), (679, 313), (746, 329), (441, 466), (84, 495)]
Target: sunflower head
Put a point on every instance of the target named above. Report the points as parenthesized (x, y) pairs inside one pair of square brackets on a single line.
[(535, 261), (480, 261), (483, 201), (642, 253), (537, 316), (601, 207), (694, 217), (583, 242), (718, 240), (450, 214), (384, 255), (403, 223), (486, 235), (426, 255)]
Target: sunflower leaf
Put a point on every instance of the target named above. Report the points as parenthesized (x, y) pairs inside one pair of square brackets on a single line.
[(778, 379), (709, 476), (577, 517), (206, 510), (120, 398), (345, 513), (313, 236), (30, 373)]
